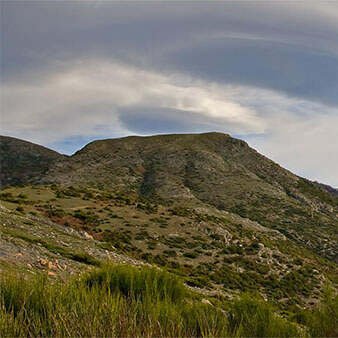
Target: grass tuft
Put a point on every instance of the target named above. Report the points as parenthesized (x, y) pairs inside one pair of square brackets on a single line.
[(128, 301)]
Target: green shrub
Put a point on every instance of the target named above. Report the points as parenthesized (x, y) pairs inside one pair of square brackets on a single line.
[(191, 255), (20, 209), (170, 253), (87, 217), (200, 281)]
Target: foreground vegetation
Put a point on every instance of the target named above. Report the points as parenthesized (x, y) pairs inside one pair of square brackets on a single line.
[(121, 300)]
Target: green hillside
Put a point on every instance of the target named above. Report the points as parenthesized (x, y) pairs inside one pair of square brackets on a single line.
[(210, 169)]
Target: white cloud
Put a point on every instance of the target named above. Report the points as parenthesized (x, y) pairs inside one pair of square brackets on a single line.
[(88, 97), (77, 98), (306, 145)]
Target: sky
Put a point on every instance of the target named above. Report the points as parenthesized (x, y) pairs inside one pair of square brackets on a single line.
[(262, 71)]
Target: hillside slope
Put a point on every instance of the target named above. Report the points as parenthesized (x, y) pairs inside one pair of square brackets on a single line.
[(211, 169), (208, 169), (21, 161), (220, 252)]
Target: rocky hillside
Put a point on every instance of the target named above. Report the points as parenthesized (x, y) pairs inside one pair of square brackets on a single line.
[(22, 161), (63, 231), (31, 244), (209, 169)]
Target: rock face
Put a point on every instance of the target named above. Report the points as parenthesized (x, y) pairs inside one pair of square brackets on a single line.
[(198, 169)]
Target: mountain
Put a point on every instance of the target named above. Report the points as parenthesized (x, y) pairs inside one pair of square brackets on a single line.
[(21, 161), (211, 169)]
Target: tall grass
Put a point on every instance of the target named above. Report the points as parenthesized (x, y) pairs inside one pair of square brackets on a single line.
[(138, 283), (128, 301), (252, 317), (110, 301), (323, 321)]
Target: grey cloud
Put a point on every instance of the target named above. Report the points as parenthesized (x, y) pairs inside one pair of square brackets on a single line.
[(96, 97), (144, 120), (157, 35), (290, 69)]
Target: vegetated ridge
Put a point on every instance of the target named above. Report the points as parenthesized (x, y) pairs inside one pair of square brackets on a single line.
[(210, 169)]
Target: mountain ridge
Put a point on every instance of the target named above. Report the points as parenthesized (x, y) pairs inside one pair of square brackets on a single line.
[(210, 169)]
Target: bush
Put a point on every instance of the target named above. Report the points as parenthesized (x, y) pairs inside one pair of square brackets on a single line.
[(170, 253), (20, 209), (200, 281), (87, 217), (191, 255)]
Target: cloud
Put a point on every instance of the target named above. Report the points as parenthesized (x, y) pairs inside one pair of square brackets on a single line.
[(94, 97), (306, 145), (292, 69), (285, 46)]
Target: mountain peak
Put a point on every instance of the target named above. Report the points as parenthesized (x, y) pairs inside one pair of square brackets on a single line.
[(210, 169)]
